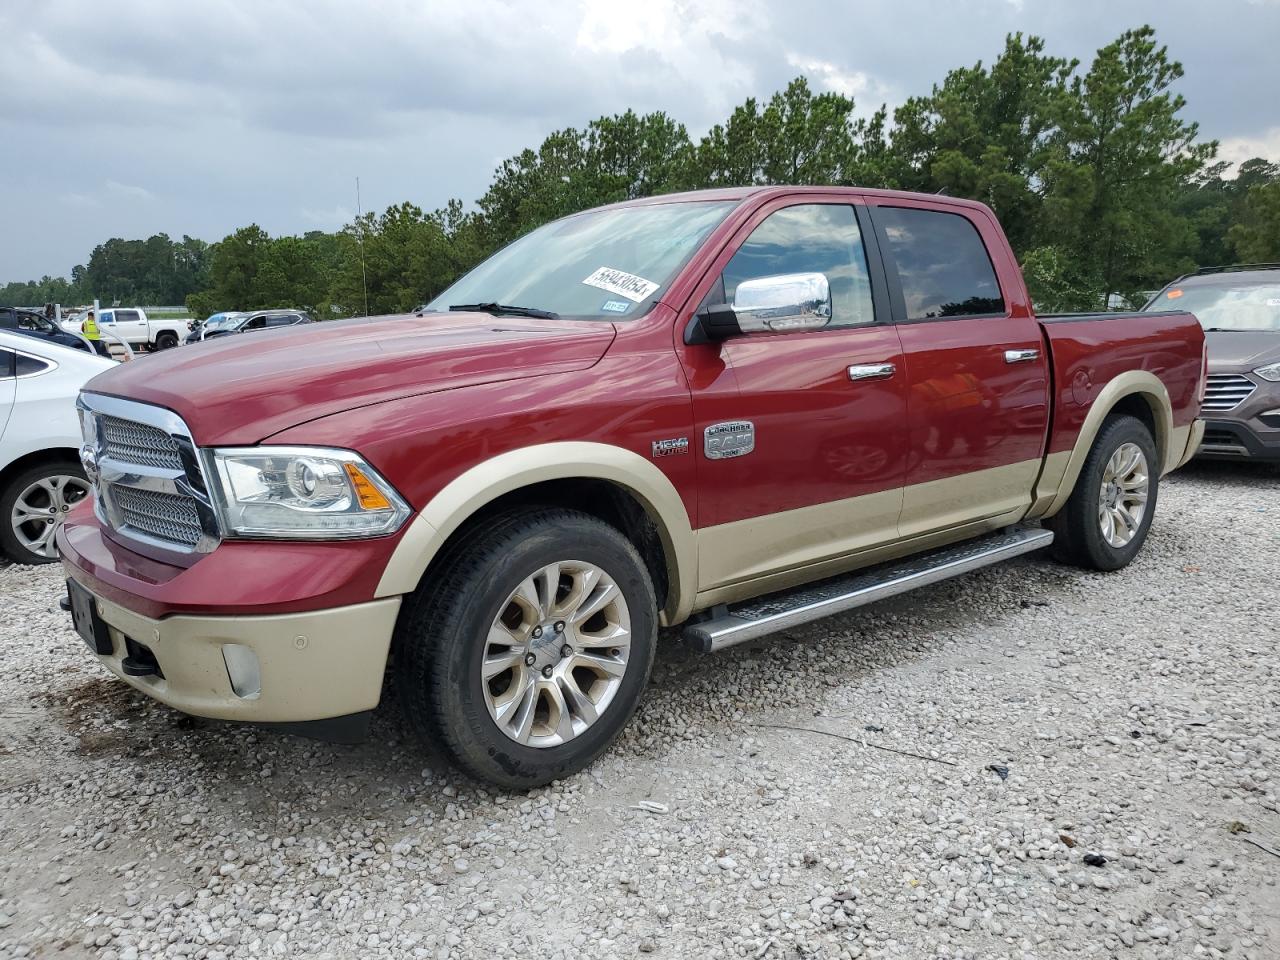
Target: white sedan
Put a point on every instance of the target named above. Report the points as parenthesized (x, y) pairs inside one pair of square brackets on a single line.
[(40, 473)]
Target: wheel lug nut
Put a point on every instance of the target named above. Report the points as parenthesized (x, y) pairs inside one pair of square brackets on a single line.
[(546, 672), (559, 626), (530, 659), (537, 632), (566, 650)]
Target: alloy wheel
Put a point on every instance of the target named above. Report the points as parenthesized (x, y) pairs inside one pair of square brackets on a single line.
[(1122, 499), (40, 509), (556, 653)]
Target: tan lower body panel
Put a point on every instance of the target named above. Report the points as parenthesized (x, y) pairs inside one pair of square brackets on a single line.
[(1185, 443), (783, 580), (823, 537), (952, 501), (313, 666), (748, 549)]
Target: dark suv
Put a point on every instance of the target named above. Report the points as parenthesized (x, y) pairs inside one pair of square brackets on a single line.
[(1239, 308)]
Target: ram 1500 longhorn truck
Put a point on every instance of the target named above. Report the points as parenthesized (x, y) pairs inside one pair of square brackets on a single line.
[(734, 410)]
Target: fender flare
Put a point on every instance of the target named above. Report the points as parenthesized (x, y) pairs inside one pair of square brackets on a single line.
[(1130, 383), (483, 483)]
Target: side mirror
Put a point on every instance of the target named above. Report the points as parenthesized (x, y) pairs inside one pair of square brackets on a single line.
[(785, 303)]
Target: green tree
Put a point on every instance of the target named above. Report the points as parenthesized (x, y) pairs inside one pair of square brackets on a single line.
[(985, 134), (797, 137), (1256, 237), (1122, 156)]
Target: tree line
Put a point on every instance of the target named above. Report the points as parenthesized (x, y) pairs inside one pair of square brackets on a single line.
[(1103, 186)]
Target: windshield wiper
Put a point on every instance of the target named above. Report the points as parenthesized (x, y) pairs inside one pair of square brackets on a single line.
[(505, 308)]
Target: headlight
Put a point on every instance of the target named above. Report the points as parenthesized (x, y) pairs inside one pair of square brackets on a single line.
[(1270, 372), (308, 493)]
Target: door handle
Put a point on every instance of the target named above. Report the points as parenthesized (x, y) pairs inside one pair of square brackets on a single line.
[(1020, 356), (872, 371)]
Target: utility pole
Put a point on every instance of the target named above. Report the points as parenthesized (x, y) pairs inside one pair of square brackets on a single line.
[(364, 274)]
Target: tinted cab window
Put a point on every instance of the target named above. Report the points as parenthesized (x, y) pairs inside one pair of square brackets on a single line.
[(941, 262), (810, 238)]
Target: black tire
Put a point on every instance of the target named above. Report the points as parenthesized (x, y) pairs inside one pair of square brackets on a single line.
[(166, 339), (1078, 536), (441, 640), (12, 547)]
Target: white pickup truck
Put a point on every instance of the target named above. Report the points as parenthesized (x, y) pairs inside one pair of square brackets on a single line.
[(132, 325)]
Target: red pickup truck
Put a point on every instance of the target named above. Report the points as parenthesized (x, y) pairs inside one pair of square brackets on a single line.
[(735, 410)]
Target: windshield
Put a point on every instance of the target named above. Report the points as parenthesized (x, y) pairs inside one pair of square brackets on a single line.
[(602, 264), (223, 321), (1232, 305)]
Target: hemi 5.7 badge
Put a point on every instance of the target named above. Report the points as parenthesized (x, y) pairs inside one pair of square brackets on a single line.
[(722, 441), (670, 448)]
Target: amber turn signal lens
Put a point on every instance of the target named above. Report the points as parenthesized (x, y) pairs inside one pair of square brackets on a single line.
[(1174, 294), (369, 496)]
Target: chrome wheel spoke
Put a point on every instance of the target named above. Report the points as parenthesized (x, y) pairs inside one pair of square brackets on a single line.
[(515, 715), (601, 664), (499, 662), (597, 600), (559, 720), (578, 701)]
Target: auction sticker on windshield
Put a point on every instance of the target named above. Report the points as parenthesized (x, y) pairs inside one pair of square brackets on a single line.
[(624, 284)]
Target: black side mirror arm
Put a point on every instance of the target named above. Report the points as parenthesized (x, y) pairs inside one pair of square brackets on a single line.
[(712, 324)]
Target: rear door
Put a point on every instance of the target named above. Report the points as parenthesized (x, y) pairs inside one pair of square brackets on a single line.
[(977, 375), (799, 460)]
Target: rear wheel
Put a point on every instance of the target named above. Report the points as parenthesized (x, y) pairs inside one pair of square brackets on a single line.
[(33, 506), (527, 650), (166, 339), (1105, 522)]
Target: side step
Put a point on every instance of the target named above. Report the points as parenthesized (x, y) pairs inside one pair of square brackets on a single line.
[(778, 611)]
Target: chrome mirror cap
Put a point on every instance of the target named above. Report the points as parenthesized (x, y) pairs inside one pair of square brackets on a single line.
[(783, 303)]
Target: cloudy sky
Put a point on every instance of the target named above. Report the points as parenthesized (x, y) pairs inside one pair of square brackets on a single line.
[(130, 117)]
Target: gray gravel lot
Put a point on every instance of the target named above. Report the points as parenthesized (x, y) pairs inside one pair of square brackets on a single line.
[(1056, 718)]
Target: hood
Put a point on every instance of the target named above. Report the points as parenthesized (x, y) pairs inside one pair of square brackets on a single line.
[(1246, 348), (241, 389)]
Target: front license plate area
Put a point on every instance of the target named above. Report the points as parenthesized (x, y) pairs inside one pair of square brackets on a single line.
[(84, 614)]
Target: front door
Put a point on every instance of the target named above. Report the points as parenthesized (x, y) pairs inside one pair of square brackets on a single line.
[(978, 375), (820, 410)]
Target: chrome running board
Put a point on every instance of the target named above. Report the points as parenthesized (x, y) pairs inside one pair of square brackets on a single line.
[(778, 611)]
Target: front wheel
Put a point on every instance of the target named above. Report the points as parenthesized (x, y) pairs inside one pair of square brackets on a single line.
[(33, 506), (1106, 520), (527, 649)]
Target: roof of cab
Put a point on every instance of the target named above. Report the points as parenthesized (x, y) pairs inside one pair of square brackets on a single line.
[(739, 194)]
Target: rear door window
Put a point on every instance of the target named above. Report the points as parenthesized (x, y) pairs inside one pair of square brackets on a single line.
[(287, 320), (126, 316), (28, 366), (941, 262)]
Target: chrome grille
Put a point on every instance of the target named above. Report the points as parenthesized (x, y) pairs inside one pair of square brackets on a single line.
[(131, 442), (166, 516), (149, 492), (1226, 391)]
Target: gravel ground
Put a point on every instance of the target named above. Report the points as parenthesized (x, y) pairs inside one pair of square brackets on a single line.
[(1087, 768)]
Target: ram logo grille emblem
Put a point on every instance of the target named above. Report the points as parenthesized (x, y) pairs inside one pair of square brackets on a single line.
[(722, 441)]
